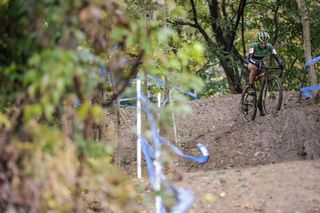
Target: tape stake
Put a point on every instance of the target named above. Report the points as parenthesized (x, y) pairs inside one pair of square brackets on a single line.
[(139, 129)]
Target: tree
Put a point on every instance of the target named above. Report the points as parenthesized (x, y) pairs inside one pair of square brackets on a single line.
[(306, 38), (50, 56), (224, 20)]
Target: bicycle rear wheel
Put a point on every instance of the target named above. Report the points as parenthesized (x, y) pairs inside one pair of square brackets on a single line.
[(248, 104), (272, 95)]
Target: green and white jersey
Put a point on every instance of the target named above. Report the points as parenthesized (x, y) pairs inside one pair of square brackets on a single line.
[(259, 53), (256, 54)]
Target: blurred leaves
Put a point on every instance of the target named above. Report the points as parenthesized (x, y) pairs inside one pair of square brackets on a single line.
[(50, 58), (4, 122)]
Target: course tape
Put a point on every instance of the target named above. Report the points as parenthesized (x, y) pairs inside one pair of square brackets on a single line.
[(162, 83), (185, 197), (312, 61), (307, 90), (128, 99), (201, 159), (149, 155), (186, 92), (185, 200)]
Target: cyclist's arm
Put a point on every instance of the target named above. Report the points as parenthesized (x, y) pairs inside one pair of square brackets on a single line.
[(277, 58), (249, 58)]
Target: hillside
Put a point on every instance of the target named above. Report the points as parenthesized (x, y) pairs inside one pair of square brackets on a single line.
[(268, 165)]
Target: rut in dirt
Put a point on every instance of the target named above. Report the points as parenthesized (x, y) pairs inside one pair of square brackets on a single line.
[(291, 134)]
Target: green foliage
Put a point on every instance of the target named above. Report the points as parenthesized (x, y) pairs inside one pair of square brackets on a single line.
[(49, 58), (286, 34), (46, 63), (215, 86), (280, 18)]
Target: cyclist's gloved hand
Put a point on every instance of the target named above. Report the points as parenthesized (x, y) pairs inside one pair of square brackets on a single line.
[(281, 65)]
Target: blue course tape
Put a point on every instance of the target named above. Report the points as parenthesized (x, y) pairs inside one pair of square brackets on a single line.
[(185, 200), (162, 83), (126, 99), (159, 82), (185, 197), (115, 47), (201, 159), (101, 70), (77, 102), (186, 92), (127, 106), (312, 61), (148, 155), (307, 90)]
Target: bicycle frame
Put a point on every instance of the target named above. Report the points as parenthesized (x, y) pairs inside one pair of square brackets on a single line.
[(266, 73), (264, 79), (270, 90)]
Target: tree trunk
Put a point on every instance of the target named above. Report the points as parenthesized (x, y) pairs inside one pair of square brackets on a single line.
[(225, 40), (306, 38)]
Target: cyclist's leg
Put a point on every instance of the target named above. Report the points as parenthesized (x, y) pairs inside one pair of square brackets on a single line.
[(262, 83), (252, 75), (253, 71)]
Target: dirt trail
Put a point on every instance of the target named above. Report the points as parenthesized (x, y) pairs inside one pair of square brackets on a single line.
[(269, 165), (285, 187), (260, 166), (292, 134)]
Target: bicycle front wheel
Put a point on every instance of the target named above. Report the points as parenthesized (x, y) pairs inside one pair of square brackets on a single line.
[(248, 104), (272, 95)]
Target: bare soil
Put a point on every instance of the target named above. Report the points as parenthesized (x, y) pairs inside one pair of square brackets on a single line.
[(271, 164)]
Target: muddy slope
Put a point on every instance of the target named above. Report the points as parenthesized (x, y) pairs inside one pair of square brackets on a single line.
[(292, 134)]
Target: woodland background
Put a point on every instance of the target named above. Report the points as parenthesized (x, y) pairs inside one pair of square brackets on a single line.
[(51, 151)]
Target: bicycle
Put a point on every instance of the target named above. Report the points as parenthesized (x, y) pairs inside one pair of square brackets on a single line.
[(270, 94)]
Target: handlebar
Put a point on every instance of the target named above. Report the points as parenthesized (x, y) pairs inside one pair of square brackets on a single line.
[(272, 68)]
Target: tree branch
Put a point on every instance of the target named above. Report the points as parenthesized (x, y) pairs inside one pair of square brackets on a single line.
[(241, 7), (275, 22), (203, 67), (133, 72), (255, 3), (183, 23), (198, 26), (194, 25), (242, 37), (214, 13)]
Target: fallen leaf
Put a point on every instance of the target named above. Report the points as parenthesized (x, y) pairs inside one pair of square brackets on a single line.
[(222, 194), (209, 198), (247, 206)]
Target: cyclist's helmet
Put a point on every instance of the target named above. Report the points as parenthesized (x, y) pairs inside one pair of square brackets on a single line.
[(263, 37)]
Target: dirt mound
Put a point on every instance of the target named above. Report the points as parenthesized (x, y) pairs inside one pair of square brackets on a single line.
[(267, 165), (291, 134)]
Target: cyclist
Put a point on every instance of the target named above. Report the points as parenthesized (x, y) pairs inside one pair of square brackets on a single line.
[(254, 61)]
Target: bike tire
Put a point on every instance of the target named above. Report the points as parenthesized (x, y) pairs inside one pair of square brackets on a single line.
[(272, 95), (248, 104)]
